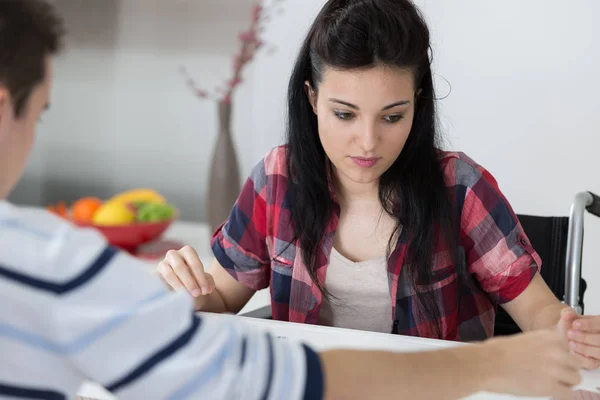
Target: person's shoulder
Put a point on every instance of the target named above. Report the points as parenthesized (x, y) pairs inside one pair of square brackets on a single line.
[(275, 161), (461, 170), (271, 169), (31, 222), (40, 244)]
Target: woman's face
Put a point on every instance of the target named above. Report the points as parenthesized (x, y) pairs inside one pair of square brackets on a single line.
[(364, 119)]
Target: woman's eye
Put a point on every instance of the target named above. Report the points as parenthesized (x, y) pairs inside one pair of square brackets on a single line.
[(344, 115), (392, 119)]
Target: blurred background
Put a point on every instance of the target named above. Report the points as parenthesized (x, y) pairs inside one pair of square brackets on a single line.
[(518, 80)]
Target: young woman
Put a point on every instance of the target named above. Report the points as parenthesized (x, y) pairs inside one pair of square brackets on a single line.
[(360, 220)]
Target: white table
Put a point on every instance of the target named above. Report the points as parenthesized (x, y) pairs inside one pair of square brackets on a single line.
[(319, 337), (327, 338), (323, 338)]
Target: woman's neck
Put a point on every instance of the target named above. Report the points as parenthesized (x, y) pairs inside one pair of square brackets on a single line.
[(348, 191)]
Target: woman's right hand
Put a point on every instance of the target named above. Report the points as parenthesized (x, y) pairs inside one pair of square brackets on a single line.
[(183, 269), (537, 363)]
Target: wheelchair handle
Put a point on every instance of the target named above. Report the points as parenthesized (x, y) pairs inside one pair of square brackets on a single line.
[(594, 207), (583, 201)]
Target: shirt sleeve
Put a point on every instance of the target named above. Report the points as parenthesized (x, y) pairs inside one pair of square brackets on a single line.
[(239, 244), (110, 320), (497, 250), (162, 350)]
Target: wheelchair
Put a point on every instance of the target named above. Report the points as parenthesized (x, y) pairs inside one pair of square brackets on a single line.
[(559, 242)]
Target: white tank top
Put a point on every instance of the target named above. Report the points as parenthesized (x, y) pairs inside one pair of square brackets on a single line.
[(361, 295)]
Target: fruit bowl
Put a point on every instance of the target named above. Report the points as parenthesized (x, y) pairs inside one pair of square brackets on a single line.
[(127, 220), (131, 236)]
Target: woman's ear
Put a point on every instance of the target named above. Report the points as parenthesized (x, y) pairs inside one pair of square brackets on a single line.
[(310, 93)]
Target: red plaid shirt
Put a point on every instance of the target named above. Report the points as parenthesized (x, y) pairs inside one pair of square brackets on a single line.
[(255, 245)]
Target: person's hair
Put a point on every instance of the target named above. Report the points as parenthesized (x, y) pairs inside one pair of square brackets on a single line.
[(30, 30), (356, 35)]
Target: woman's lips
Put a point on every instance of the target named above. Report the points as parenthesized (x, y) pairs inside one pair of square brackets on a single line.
[(365, 162)]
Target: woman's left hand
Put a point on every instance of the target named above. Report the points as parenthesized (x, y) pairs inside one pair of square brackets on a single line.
[(584, 338)]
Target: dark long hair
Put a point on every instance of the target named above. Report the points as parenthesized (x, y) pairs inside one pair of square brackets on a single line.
[(359, 34)]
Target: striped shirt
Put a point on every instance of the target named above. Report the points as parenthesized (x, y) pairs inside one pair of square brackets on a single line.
[(74, 309)]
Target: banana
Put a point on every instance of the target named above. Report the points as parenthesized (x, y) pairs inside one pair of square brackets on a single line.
[(138, 195)]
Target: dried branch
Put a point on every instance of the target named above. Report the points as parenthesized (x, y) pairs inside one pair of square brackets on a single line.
[(251, 43)]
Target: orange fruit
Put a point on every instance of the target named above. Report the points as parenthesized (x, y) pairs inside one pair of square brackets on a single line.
[(83, 210), (59, 209)]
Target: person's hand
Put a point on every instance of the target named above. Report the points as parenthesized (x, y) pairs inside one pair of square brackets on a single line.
[(534, 364), (183, 270), (584, 337)]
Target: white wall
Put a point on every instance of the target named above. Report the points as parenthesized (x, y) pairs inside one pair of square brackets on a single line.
[(524, 98), (525, 101), (122, 115)]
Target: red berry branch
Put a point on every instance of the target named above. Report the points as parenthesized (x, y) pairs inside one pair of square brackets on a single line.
[(250, 43)]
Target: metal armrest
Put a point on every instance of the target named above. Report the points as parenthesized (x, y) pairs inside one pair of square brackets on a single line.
[(583, 201)]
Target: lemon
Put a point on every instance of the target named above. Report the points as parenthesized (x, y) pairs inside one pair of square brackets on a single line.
[(114, 213)]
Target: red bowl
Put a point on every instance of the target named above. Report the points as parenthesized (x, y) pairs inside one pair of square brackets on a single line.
[(131, 236)]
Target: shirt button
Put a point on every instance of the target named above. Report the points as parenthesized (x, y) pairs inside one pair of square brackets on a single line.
[(524, 242)]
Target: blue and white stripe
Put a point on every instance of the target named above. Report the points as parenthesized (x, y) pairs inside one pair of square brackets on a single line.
[(73, 309)]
